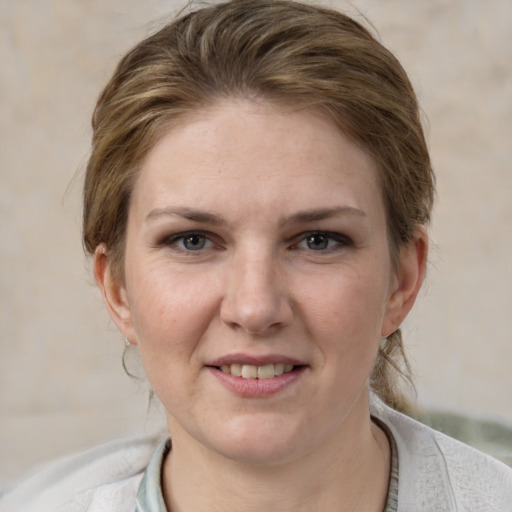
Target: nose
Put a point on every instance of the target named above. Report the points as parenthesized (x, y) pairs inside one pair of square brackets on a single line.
[(255, 299)]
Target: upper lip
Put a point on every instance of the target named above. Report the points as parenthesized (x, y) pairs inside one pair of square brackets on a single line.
[(260, 360)]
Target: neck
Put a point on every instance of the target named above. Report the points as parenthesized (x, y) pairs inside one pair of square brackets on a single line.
[(349, 471)]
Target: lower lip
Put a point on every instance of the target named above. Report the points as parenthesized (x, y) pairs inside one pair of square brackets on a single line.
[(257, 388)]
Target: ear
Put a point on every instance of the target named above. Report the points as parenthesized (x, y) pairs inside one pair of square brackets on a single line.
[(114, 293), (407, 282)]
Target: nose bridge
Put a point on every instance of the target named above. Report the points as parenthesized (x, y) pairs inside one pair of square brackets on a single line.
[(255, 299)]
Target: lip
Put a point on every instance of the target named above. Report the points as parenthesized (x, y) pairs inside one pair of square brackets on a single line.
[(256, 388), (253, 360)]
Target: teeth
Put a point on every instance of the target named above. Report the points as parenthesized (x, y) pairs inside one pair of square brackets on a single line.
[(266, 372), (236, 370), (248, 371)]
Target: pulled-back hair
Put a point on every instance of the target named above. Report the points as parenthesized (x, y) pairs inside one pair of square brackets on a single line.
[(287, 53)]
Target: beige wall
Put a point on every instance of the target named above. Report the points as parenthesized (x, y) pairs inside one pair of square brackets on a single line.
[(62, 387)]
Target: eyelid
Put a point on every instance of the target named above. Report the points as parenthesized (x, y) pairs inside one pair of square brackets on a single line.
[(341, 239), (171, 241)]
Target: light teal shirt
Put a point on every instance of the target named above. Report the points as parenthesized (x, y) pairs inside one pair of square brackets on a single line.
[(149, 496)]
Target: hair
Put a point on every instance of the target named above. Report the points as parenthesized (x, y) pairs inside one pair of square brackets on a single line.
[(283, 52)]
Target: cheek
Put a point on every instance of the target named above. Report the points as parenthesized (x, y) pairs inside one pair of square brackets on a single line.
[(170, 314), (170, 310), (356, 303), (346, 316)]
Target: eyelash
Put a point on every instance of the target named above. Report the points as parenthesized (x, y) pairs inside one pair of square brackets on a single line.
[(340, 241), (174, 240)]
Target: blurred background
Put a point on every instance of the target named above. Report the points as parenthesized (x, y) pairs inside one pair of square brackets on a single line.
[(62, 386)]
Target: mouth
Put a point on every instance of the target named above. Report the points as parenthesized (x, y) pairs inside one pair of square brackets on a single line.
[(252, 376), (249, 371)]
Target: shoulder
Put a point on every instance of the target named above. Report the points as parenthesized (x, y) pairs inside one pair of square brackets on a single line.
[(439, 473), (101, 479)]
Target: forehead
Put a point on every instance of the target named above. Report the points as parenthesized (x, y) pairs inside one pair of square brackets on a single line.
[(279, 154)]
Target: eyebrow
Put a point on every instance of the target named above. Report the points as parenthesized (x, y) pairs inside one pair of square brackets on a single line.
[(317, 214), (313, 215), (187, 213)]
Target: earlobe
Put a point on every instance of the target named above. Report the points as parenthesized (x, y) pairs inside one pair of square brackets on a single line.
[(114, 293), (407, 284)]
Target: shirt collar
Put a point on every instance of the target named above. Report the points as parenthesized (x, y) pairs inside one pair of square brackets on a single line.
[(149, 496)]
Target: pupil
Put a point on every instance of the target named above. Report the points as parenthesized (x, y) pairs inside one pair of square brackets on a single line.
[(317, 242), (194, 242)]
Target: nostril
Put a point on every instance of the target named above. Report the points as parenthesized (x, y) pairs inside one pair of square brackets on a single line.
[(254, 321), (254, 301)]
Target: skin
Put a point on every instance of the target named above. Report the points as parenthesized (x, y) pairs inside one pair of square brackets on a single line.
[(291, 260)]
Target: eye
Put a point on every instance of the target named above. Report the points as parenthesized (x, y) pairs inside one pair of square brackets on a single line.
[(322, 241), (191, 241), (194, 242), (317, 242)]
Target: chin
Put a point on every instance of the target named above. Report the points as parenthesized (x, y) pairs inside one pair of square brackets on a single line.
[(263, 442), (263, 454)]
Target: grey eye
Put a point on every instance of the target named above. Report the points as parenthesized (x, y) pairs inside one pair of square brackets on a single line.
[(317, 242), (194, 242)]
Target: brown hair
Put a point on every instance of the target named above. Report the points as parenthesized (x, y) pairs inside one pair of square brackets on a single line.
[(284, 52)]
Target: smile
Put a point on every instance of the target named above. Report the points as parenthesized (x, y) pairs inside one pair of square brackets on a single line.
[(249, 371)]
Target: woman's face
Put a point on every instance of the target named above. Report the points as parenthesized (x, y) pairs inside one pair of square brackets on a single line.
[(257, 245)]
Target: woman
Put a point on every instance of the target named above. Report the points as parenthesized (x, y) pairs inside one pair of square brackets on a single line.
[(256, 204)]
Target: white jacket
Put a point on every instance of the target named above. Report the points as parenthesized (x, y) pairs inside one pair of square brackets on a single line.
[(435, 474)]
